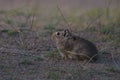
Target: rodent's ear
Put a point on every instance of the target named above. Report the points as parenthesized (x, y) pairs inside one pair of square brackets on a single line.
[(66, 33), (66, 30)]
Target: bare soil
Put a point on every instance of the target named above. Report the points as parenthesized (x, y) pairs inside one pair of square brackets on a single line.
[(31, 61)]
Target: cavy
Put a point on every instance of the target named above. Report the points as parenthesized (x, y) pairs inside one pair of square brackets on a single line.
[(71, 46)]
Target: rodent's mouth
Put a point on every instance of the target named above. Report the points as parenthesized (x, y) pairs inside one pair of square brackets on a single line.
[(53, 36)]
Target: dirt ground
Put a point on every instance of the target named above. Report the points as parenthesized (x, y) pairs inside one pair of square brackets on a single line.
[(34, 60)]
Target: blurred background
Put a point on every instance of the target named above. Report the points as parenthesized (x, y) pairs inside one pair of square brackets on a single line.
[(51, 4)]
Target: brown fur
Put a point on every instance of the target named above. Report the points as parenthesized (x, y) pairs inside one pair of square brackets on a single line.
[(74, 47)]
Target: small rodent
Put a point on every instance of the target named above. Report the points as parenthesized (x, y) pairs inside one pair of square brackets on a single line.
[(72, 46)]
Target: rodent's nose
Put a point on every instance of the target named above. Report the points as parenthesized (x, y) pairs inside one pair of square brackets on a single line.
[(52, 36)]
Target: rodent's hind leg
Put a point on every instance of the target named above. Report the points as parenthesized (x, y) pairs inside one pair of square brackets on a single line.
[(72, 56), (64, 56), (83, 57)]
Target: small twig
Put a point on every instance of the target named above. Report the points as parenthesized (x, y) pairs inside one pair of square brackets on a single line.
[(91, 59), (63, 16), (108, 8), (94, 20), (20, 42), (115, 61)]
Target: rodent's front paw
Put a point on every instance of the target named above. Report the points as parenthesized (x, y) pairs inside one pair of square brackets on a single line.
[(64, 58)]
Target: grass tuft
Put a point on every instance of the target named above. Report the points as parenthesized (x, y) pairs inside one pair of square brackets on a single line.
[(93, 13), (107, 30), (53, 75), (50, 54), (12, 32), (25, 61), (4, 30), (91, 28), (49, 27), (111, 69), (9, 32), (38, 58)]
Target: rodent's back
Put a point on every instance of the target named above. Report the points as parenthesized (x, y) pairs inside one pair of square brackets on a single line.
[(82, 45)]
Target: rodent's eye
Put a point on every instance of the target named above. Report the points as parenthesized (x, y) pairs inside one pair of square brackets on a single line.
[(58, 33)]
